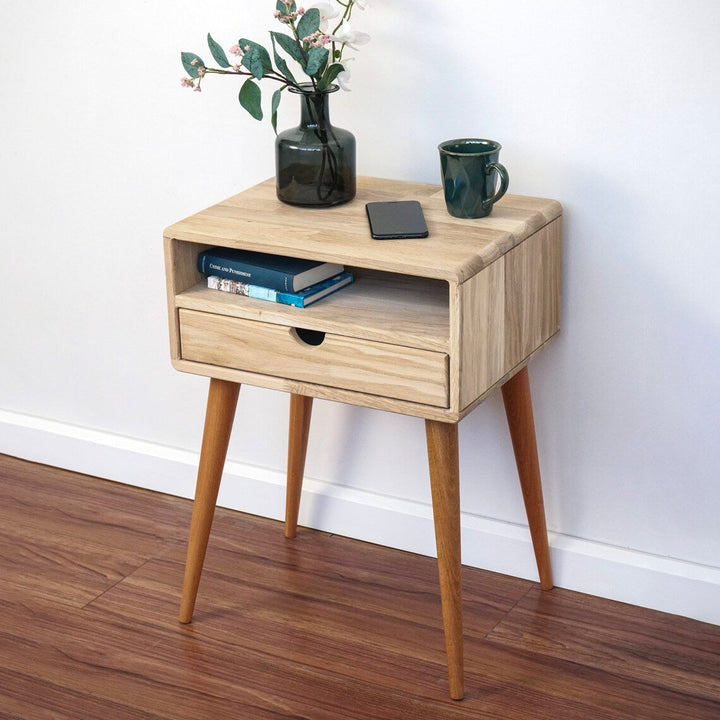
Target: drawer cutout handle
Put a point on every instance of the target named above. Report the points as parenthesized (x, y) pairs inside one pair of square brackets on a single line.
[(308, 337)]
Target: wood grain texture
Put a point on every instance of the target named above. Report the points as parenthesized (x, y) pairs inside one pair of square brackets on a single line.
[(386, 307), (317, 390), (471, 303), (219, 417), (532, 293), (454, 251), (341, 361), (298, 433), (481, 352), (443, 460), (507, 311), (428, 328), (518, 410), (319, 627), (181, 274)]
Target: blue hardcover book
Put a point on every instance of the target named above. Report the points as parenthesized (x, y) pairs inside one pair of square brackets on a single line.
[(264, 270), (302, 298)]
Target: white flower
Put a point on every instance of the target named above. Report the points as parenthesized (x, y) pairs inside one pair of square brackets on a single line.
[(362, 4), (343, 78), (347, 36), (328, 11)]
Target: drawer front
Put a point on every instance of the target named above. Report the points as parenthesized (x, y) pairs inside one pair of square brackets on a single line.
[(349, 363)]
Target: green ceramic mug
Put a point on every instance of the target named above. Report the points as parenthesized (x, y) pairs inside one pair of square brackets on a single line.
[(470, 170)]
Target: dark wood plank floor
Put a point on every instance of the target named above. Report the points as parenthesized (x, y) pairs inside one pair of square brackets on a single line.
[(320, 627)]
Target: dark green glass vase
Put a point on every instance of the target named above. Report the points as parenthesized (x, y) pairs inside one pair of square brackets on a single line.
[(315, 161)]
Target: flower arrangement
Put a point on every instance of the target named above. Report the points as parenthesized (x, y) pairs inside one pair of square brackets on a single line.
[(317, 49)]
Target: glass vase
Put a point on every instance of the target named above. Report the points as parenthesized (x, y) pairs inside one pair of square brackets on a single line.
[(315, 161)]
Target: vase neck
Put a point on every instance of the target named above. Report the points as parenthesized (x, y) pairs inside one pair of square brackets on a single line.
[(314, 110)]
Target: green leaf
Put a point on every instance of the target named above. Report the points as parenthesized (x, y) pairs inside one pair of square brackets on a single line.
[(276, 97), (217, 52), (187, 60), (256, 59), (309, 23), (280, 63), (331, 72), (290, 46), (317, 59), (250, 98), (285, 8)]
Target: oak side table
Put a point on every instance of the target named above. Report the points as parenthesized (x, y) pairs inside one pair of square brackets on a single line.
[(428, 329)]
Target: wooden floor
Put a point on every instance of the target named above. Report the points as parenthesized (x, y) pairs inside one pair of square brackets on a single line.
[(320, 627)]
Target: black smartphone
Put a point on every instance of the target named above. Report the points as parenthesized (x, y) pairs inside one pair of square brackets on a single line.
[(392, 220)]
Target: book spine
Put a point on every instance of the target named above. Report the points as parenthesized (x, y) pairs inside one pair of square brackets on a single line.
[(240, 288), (210, 264), (291, 299)]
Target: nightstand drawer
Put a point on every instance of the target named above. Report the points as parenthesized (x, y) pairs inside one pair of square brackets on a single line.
[(337, 361)]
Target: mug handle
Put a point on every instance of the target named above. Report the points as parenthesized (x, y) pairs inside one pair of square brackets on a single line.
[(504, 182)]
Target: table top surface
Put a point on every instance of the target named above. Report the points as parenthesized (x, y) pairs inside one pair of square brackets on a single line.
[(454, 250)]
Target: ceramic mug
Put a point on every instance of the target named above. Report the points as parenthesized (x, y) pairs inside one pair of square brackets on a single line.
[(470, 170)]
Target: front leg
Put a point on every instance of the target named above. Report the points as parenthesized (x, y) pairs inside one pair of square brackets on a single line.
[(442, 444), (219, 416)]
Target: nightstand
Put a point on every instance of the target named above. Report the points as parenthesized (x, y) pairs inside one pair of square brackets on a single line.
[(429, 328)]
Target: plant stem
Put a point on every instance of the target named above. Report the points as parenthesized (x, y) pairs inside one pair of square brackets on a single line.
[(346, 16), (270, 76)]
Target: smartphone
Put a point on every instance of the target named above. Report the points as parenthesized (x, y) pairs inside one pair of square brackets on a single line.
[(397, 219)]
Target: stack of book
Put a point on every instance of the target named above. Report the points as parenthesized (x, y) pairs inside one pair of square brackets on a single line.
[(280, 279)]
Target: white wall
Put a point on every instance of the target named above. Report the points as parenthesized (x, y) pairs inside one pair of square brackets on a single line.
[(611, 107)]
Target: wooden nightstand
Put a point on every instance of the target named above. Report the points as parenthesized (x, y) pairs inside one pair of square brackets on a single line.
[(428, 328)]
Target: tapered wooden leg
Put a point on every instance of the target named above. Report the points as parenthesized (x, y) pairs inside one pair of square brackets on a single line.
[(300, 413), (219, 416), (442, 443), (518, 408)]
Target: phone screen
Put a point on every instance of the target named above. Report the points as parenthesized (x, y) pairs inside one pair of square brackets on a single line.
[(396, 219)]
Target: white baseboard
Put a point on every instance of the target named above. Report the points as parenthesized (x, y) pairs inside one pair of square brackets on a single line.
[(674, 586)]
